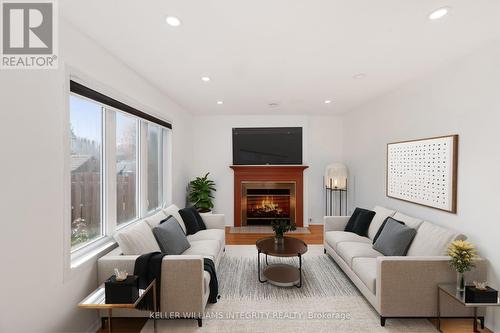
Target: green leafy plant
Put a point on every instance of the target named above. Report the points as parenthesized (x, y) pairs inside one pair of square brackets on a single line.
[(280, 226), (462, 255), (200, 193)]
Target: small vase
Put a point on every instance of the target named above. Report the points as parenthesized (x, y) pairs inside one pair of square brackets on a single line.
[(460, 282), (278, 239)]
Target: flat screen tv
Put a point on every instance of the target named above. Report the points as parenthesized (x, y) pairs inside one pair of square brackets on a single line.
[(267, 145)]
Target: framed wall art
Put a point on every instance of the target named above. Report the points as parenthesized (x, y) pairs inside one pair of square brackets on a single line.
[(424, 172)]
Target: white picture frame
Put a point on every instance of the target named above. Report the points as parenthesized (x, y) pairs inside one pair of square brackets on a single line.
[(424, 172)]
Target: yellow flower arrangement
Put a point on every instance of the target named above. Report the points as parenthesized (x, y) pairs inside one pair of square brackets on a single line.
[(462, 255)]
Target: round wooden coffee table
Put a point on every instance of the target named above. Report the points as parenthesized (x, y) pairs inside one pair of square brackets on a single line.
[(281, 275)]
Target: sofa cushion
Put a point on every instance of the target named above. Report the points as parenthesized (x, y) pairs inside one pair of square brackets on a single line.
[(362, 222), (432, 240), (205, 248), (137, 239), (412, 222), (381, 214), (155, 219), (190, 221), (170, 237), (395, 238), (359, 213), (382, 227), (174, 211), (366, 270), (350, 250), (209, 234), (333, 238)]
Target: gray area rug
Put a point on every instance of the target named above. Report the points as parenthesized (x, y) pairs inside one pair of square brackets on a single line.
[(264, 230), (327, 301)]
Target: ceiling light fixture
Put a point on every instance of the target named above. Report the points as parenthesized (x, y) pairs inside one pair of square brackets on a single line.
[(359, 76), (439, 13), (328, 101), (220, 102), (173, 21), (205, 78)]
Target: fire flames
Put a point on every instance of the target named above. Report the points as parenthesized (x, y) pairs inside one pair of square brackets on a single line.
[(267, 205)]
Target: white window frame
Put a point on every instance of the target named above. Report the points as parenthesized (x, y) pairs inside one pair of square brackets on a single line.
[(103, 166), (73, 259), (161, 159), (138, 180)]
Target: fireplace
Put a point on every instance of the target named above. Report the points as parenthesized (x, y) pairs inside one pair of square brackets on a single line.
[(263, 202), (263, 193)]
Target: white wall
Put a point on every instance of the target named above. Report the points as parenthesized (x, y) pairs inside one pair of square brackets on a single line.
[(463, 99), (322, 138), (35, 297)]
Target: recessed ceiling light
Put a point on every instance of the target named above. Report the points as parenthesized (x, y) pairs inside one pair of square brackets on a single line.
[(173, 21), (205, 78), (439, 13), (359, 76), (220, 102), (328, 101)]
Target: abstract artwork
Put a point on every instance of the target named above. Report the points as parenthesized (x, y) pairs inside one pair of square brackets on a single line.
[(424, 172)]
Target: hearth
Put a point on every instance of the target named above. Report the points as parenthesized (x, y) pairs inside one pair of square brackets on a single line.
[(264, 202)]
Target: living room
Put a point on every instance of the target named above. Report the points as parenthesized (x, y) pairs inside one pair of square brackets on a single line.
[(162, 94)]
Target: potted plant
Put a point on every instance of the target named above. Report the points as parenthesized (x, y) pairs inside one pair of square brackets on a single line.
[(462, 255), (200, 193), (280, 226)]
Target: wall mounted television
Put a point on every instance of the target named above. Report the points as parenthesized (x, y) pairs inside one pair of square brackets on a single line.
[(267, 145)]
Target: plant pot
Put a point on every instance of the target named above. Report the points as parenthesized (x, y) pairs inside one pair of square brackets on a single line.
[(279, 240), (206, 213), (460, 282)]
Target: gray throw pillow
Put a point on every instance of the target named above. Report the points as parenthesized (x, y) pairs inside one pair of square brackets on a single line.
[(170, 237), (395, 239)]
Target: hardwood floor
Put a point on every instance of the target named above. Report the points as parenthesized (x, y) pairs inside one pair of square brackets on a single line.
[(134, 325), (315, 237)]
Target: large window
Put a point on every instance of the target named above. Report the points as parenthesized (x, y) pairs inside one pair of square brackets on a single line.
[(86, 170), (117, 165), (126, 168)]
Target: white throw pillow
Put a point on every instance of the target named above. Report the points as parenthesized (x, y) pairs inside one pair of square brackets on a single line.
[(174, 211), (154, 220), (411, 222), (432, 240), (137, 239), (381, 214)]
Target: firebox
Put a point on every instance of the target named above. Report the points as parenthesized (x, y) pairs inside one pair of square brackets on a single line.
[(263, 202)]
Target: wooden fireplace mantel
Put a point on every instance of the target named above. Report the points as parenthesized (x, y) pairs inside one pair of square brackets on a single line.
[(266, 173)]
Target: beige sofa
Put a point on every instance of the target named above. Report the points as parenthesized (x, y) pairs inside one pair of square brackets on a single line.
[(184, 283), (403, 286)]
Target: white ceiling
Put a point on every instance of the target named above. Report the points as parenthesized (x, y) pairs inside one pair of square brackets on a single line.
[(297, 53)]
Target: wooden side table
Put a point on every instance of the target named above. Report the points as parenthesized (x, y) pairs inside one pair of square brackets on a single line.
[(97, 301), (451, 290), (281, 275)]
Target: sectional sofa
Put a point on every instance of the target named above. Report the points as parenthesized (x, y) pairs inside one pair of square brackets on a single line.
[(404, 286), (184, 283)]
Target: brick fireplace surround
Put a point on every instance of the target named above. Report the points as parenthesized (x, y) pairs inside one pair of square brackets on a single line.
[(278, 174)]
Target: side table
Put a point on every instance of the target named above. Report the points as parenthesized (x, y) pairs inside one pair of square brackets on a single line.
[(451, 290), (97, 301)]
